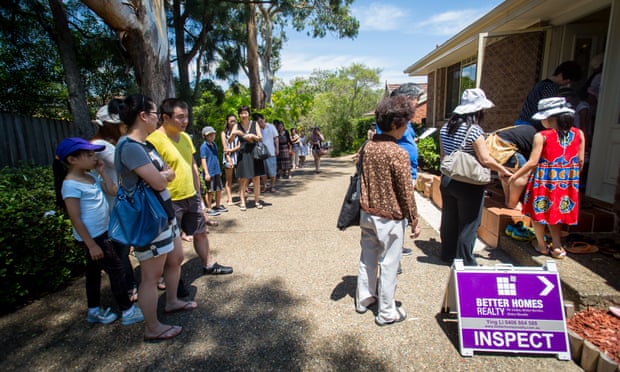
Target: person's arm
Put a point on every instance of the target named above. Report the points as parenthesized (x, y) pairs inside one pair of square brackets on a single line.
[(73, 209), (225, 149), (108, 186), (157, 180), (530, 164), (196, 175), (582, 149), (205, 169), (482, 153), (276, 141)]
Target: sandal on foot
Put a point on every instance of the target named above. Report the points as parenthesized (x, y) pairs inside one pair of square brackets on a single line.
[(558, 256), (161, 284), (243, 208), (547, 251), (187, 306), (170, 332), (212, 223)]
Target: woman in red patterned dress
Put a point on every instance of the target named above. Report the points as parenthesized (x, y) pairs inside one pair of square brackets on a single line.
[(552, 193)]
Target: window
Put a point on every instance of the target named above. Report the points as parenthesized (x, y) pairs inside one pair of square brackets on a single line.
[(460, 76)]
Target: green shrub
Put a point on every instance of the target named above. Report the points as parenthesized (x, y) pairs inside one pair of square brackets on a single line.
[(37, 250), (428, 154)]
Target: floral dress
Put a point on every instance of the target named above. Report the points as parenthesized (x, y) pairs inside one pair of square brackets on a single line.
[(552, 193)]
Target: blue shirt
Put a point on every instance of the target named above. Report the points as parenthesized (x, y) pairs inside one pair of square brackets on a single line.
[(208, 151), (407, 143)]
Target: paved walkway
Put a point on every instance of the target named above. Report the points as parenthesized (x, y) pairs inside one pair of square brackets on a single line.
[(288, 306)]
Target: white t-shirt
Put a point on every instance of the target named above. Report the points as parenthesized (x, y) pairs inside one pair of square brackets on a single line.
[(94, 210), (107, 156), (269, 133)]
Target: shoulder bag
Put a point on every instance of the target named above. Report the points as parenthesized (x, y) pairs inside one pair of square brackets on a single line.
[(463, 167), (260, 151), (499, 149), (137, 218), (350, 210)]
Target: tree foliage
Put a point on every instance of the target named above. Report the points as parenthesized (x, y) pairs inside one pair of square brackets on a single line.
[(340, 97)]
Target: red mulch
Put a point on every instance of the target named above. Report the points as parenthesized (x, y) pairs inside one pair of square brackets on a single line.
[(599, 327)]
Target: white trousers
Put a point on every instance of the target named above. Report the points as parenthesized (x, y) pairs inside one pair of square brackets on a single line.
[(382, 247)]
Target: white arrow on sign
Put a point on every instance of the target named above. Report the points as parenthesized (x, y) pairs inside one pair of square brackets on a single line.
[(548, 286)]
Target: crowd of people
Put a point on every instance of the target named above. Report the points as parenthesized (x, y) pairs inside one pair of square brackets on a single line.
[(138, 142)]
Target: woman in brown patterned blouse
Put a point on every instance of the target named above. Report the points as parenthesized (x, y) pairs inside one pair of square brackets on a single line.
[(387, 203)]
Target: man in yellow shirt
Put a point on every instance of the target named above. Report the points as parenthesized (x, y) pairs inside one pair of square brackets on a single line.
[(176, 149)]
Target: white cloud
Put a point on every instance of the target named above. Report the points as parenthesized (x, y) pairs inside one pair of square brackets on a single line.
[(450, 23), (380, 17), (304, 64)]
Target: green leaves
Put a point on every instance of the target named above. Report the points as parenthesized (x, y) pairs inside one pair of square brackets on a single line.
[(37, 250)]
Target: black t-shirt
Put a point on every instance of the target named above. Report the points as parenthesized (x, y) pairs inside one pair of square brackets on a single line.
[(520, 135)]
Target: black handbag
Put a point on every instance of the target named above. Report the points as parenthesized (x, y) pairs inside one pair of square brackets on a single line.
[(260, 151), (350, 210)]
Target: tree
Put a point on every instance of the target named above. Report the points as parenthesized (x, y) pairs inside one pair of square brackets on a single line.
[(341, 97), (142, 30), (77, 96), (319, 16)]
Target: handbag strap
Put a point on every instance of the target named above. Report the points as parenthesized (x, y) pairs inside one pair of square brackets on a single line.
[(361, 158), (466, 137)]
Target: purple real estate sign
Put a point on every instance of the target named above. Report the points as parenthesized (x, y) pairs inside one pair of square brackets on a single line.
[(518, 310)]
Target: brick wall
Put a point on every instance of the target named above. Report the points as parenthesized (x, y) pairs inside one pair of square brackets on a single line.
[(511, 69)]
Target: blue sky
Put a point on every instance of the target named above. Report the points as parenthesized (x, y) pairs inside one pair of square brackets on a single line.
[(393, 35)]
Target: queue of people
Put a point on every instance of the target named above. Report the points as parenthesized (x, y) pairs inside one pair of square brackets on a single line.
[(138, 142)]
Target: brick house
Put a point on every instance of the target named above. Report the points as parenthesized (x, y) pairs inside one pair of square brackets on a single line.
[(519, 43)]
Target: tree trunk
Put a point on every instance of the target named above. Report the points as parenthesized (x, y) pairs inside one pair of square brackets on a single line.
[(267, 33), (142, 30), (77, 96), (256, 94)]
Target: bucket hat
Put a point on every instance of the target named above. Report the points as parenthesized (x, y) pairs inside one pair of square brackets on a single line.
[(552, 106), (473, 100)]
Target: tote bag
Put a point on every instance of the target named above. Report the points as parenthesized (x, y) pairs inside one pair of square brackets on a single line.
[(350, 209), (137, 218), (463, 167)]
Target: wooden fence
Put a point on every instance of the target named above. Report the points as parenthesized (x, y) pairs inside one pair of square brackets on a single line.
[(31, 140)]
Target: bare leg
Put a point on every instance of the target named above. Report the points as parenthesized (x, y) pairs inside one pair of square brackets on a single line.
[(172, 273), (201, 246), (539, 230), (256, 181), (151, 271), (243, 184), (513, 191), (557, 239), (228, 185)]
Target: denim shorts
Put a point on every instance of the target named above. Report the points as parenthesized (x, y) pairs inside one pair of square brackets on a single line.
[(271, 166), (516, 161)]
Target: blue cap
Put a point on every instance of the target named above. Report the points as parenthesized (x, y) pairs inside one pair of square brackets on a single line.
[(72, 144)]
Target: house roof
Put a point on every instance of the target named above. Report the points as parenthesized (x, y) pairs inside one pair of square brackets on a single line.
[(511, 16)]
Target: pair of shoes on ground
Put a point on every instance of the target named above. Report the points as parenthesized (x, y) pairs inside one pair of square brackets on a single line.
[(401, 317), (107, 316), (217, 269), (519, 232)]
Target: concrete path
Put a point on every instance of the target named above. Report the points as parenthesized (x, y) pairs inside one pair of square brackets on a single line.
[(288, 306)]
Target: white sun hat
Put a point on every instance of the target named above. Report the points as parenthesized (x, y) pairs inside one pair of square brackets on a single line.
[(552, 106), (473, 100)]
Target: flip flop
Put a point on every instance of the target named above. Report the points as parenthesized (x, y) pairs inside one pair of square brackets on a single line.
[(165, 335), (582, 248), (547, 252), (558, 256), (161, 284), (243, 208), (188, 306)]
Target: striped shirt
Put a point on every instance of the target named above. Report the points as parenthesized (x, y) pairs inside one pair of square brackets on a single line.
[(451, 142)]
